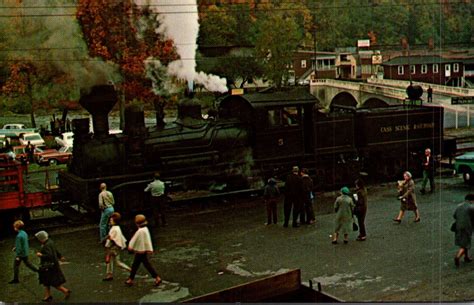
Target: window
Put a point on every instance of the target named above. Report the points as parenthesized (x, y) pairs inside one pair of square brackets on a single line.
[(401, 71), (424, 69), (290, 116), (435, 68), (456, 67), (412, 69), (303, 63), (287, 116)]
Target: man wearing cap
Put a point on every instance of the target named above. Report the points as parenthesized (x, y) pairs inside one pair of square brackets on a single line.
[(293, 200), (158, 199), (106, 205)]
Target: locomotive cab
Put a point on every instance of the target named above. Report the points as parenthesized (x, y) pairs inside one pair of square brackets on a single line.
[(279, 124)]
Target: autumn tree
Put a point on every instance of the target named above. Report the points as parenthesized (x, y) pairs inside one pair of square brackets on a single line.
[(124, 33), (30, 53)]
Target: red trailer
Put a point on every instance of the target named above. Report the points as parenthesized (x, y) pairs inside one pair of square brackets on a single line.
[(16, 200)]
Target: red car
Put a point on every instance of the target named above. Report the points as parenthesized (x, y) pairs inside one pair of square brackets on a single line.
[(20, 152), (53, 156)]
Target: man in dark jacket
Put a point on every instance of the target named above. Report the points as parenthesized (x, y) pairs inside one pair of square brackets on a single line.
[(428, 171), (293, 190), (463, 227)]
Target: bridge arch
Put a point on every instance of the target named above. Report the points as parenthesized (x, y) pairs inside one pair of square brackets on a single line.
[(374, 102), (344, 99), (377, 101)]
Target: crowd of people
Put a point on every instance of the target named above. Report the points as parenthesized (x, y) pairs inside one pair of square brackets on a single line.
[(110, 236), (350, 214)]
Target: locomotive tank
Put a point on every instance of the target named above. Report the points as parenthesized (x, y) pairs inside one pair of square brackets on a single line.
[(191, 151)]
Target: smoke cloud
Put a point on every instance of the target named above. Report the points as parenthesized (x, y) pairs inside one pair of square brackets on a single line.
[(179, 22), (56, 42)]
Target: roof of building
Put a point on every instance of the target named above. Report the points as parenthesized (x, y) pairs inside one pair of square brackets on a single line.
[(419, 60)]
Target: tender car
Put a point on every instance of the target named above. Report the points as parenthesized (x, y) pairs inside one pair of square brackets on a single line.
[(53, 157), (464, 165), (65, 139), (33, 137)]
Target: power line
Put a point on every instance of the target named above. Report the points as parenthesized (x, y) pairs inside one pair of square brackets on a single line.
[(229, 10)]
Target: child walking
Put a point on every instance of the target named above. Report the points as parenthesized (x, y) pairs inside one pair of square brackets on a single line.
[(21, 250), (141, 245), (114, 244)]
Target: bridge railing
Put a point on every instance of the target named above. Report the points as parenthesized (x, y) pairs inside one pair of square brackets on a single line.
[(436, 88)]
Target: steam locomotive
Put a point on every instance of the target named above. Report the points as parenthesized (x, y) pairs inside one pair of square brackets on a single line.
[(252, 137)]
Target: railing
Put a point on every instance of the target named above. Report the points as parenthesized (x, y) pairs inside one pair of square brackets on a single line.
[(436, 88)]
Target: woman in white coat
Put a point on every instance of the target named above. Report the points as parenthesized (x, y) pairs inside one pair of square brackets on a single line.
[(141, 245)]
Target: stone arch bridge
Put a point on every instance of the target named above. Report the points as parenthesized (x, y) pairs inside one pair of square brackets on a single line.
[(376, 92), (355, 94)]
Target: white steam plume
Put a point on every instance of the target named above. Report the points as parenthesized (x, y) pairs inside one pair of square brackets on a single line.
[(179, 22)]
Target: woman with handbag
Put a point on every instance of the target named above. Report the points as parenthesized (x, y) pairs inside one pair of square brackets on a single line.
[(407, 197), (50, 273), (344, 219)]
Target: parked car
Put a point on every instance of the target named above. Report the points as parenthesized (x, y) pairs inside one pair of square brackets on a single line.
[(464, 165), (3, 142), (34, 138), (15, 130), (65, 139), (53, 156), (20, 152)]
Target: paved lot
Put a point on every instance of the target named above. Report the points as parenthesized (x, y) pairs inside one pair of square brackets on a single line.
[(203, 250)]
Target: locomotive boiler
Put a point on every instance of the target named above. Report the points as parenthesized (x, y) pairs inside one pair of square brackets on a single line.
[(190, 152)]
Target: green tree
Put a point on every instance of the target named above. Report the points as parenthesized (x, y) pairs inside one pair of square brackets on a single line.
[(278, 37), (227, 51)]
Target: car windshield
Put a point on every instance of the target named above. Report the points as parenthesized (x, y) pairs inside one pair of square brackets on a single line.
[(64, 149), (33, 137)]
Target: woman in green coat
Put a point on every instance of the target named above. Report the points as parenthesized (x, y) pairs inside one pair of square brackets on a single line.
[(343, 206)]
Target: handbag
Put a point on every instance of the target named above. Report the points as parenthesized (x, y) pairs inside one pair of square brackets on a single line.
[(453, 227), (44, 267)]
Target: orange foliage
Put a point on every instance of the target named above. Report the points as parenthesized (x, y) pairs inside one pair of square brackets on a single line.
[(110, 31), (18, 81)]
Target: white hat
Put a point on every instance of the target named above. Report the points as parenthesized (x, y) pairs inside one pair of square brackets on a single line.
[(42, 236)]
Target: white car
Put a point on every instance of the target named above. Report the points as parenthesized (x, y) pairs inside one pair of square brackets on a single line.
[(33, 137), (65, 139)]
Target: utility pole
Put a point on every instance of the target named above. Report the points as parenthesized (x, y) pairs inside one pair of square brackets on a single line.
[(315, 69)]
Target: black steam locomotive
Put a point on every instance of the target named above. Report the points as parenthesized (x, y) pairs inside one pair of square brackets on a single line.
[(251, 137)]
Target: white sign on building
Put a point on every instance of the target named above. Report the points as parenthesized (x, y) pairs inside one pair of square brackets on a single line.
[(363, 43)]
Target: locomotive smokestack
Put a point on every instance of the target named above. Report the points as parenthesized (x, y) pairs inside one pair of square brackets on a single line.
[(99, 101)]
